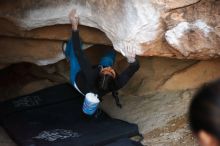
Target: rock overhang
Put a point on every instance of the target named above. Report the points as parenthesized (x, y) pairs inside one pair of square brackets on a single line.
[(151, 28)]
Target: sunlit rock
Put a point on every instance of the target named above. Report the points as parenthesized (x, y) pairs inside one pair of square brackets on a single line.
[(179, 29)]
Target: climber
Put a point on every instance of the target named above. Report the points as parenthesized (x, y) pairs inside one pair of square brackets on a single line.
[(100, 79), (204, 114)]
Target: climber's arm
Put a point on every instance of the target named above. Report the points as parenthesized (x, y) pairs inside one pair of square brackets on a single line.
[(124, 77)]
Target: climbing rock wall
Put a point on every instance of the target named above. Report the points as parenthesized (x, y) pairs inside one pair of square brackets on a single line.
[(194, 31), (158, 96), (187, 29)]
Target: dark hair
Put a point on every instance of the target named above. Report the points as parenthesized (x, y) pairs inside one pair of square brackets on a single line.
[(105, 82), (204, 111)]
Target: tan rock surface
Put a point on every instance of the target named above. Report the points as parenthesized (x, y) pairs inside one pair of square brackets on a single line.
[(194, 30), (56, 32), (161, 74), (41, 52), (172, 4), (41, 46), (160, 116), (153, 73), (194, 76), (190, 30)]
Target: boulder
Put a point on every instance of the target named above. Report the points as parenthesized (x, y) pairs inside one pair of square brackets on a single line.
[(56, 32), (40, 46), (179, 29), (40, 52), (193, 31)]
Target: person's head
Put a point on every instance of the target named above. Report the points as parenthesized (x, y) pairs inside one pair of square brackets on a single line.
[(106, 78), (204, 114)]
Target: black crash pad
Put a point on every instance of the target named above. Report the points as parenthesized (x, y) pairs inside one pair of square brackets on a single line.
[(53, 117), (124, 142)]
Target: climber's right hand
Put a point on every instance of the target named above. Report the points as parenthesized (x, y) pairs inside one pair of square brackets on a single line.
[(74, 19)]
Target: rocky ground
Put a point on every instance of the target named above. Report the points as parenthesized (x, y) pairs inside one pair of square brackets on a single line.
[(161, 116)]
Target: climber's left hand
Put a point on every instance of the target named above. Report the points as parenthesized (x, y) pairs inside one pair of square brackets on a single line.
[(129, 53)]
